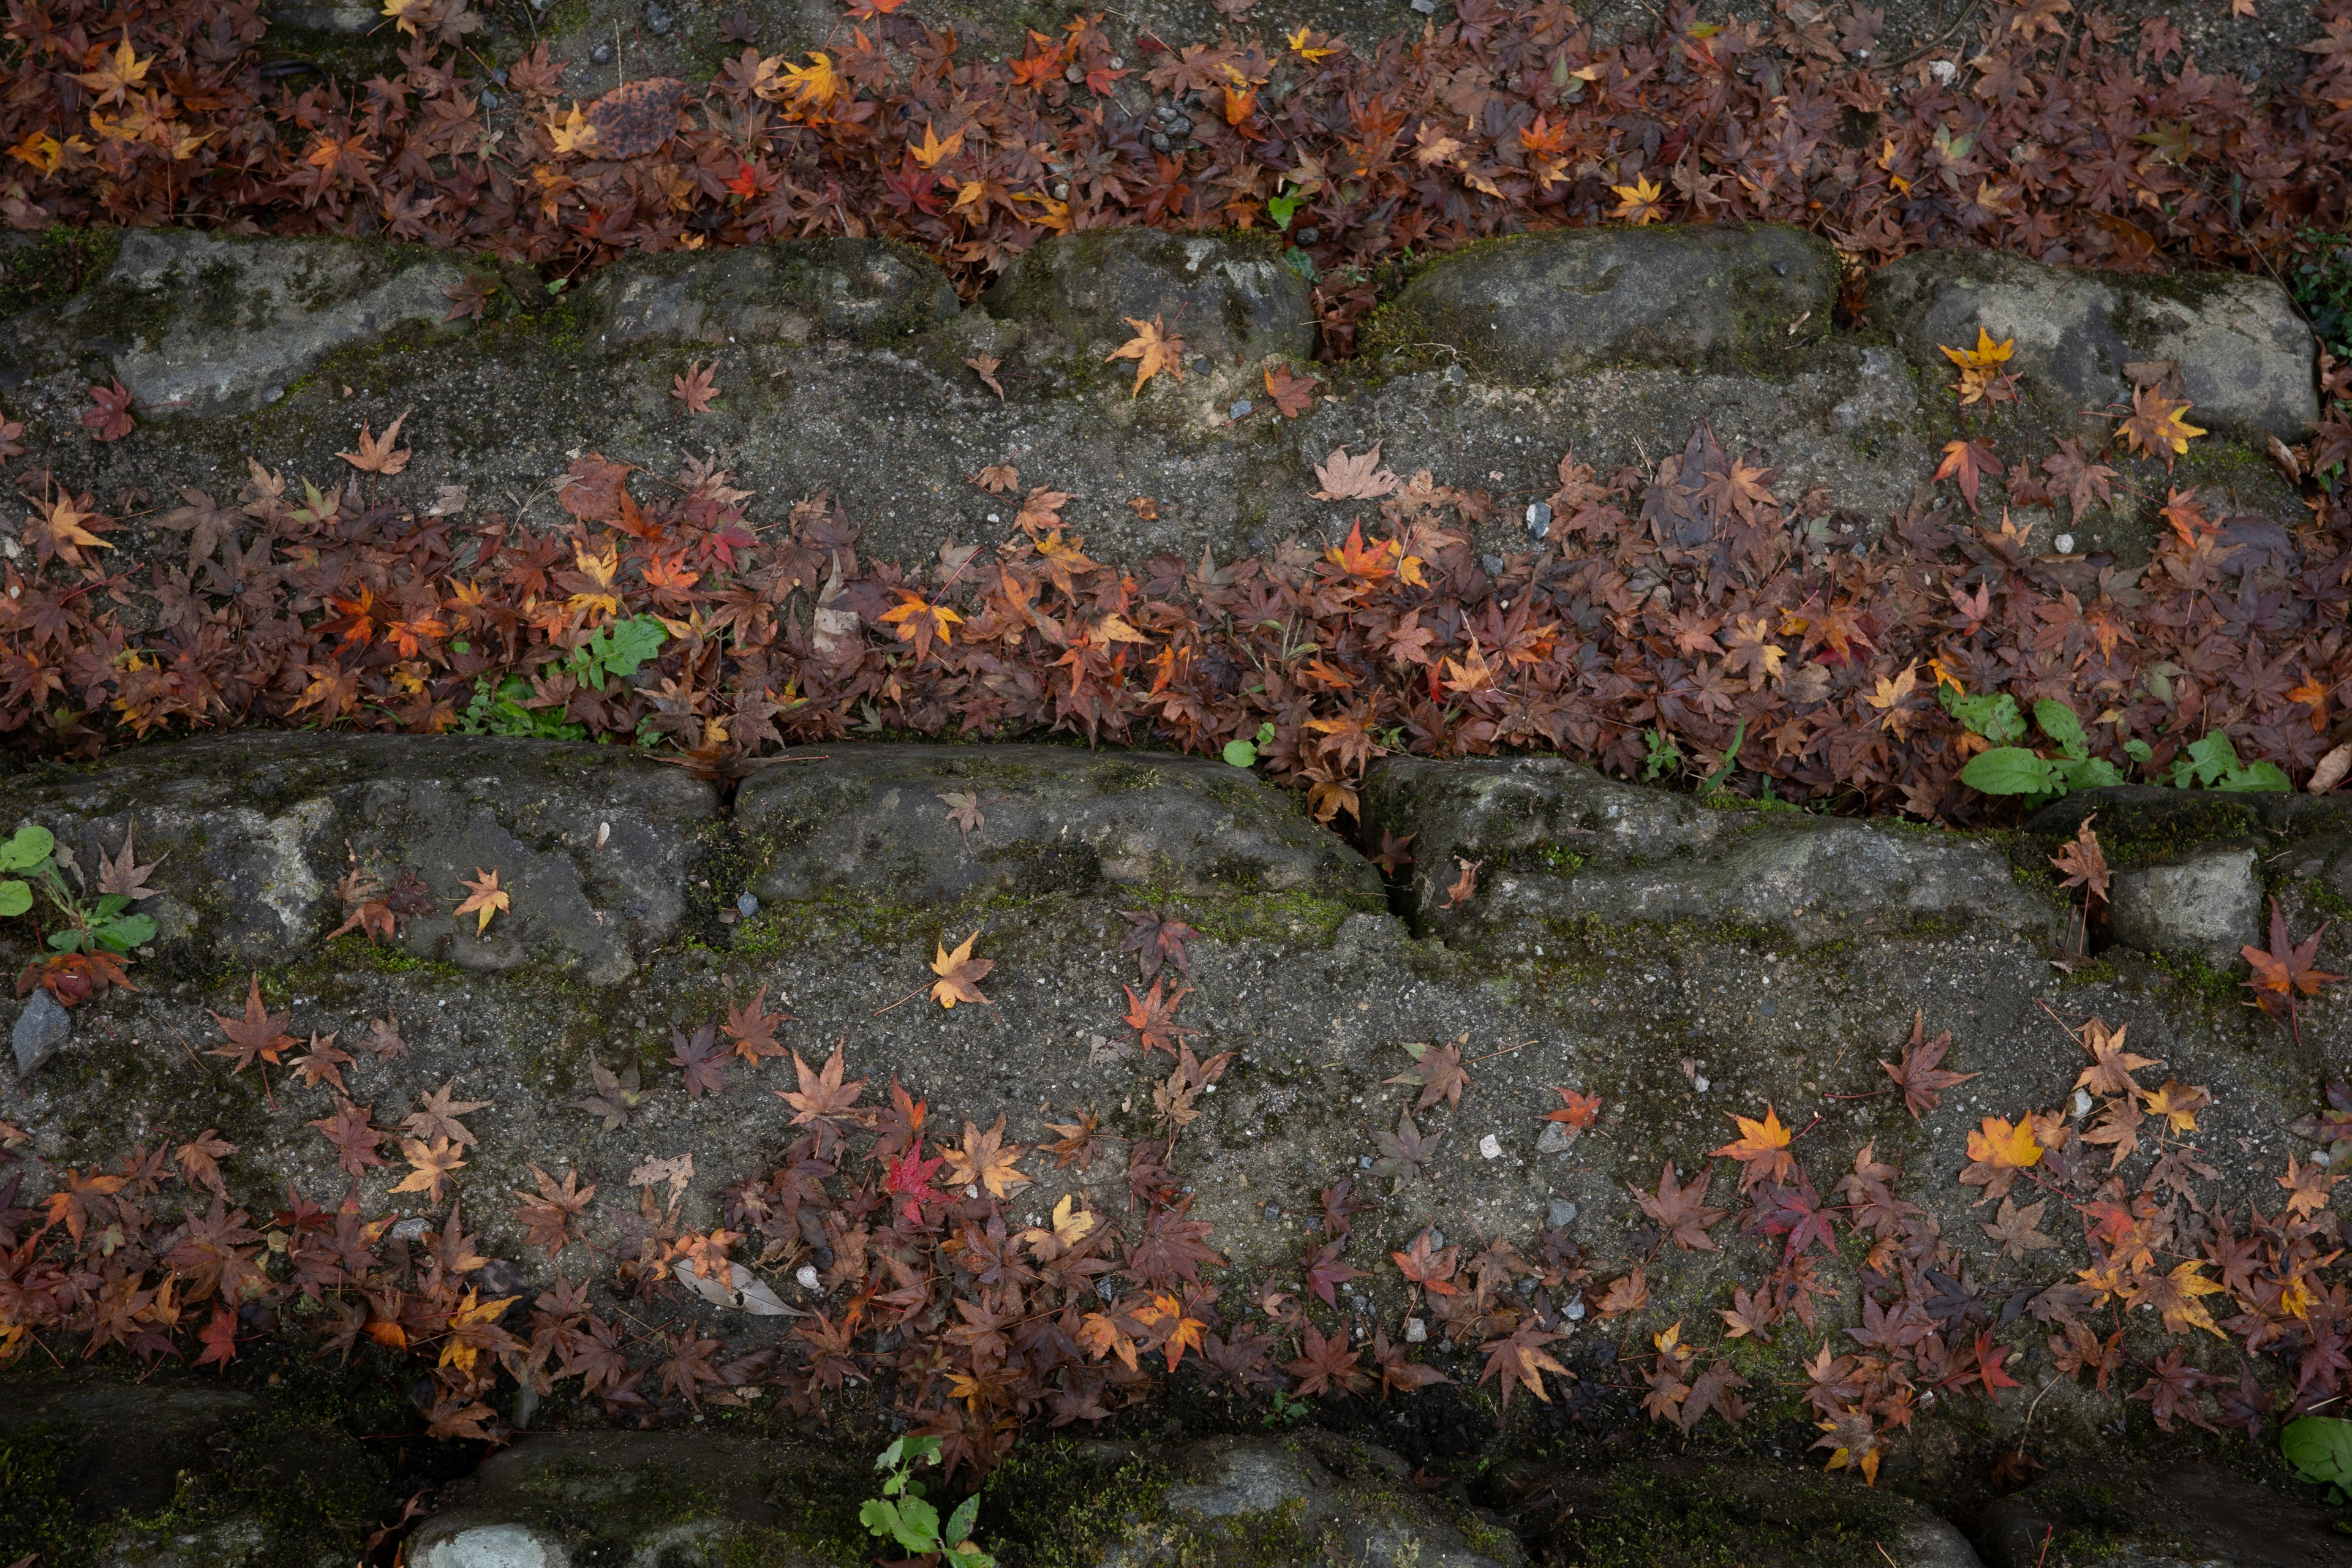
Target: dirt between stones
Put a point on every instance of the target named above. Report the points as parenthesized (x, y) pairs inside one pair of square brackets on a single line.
[(1311, 984)]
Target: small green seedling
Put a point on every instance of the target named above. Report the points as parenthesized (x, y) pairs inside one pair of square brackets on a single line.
[(900, 1514), (27, 852), (1244, 754), (614, 652), (102, 926)]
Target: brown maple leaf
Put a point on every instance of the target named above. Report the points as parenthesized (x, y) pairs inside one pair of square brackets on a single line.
[(1997, 1152), (200, 1159), (547, 1215), (2155, 425), (1155, 938), (985, 1160), (963, 810), (1519, 1359), (753, 1030), (323, 1063), (821, 1096), (1153, 350), (2079, 476), (1344, 478), (1402, 1154), (107, 418), (2288, 969), (1081, 1143), (1466, 887), (121, 877), (468, 296), (1577, 1109), (376, 454), (1437, 1071), (354, 1133), (433, 1165), (437, 1114), (1293, 393), (985, 366), (260, 1036), (696, 387), (1968, 462), (1681, 1212), (1152, 1016), (699, 1059), (2083, 862), (2018, 1229), (617, 1095), (959, 973), (1920, 1076), (2112, 1066), (384, 1037)]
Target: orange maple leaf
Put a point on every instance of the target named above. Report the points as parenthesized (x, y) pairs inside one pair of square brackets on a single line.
[(485, 899), (1153, 349)]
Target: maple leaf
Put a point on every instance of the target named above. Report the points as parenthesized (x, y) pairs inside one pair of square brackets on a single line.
[(547, 1215), (1344, 478), (676, 1170), (1293, 393), (1627, 1293), (2177, 1103), (2077, 474), (2155, 425), (1326, 1364), (2018, 1229), (1152, 349), (352, 1130), (1429, 1267), (1920, 1076), (2287, 970), (931, 149), (1405, 1151), (218, 1337), (1639, 201), (959, 973), (1153, 1017), (1984, 356), (200, 1160), (1577, 1110), (985, 366), (376, 454), (821, 1096), (260, 1036), (2175, 1297), (1080, 1143), (123, 878), (1762, 1149), (1681, 1212), (1852, 1442), (484, 898), (322, 1063), (107, 418), (1968, 461), (436, 1115), (986, 1160), (1464, 887), (1155, 938), (617, 1095), (1997, 1152), (699, 1059), (2083, 862), (1437, 1072), (433, 1162), (752, 1029), (2111, 1066), (1714, 1390), (696, 387), (919, 620), (963, 810), (1519, 1359)]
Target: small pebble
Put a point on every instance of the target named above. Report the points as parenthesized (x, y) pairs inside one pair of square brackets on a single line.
[(272, 393), (1415, 1331), (1539, 519), (1159, 143), (1560, 1211), (658, 21), (2066, 544), (602, 54), (1490, 1147), (1307, 236), (1426, 8), (807, 1277), (1203, 363), (1241, 409), (490, 101), (1574, 1310), (747, 904)]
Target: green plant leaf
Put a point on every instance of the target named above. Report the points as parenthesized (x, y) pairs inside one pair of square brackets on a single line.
[(2083, 772), (959, 1522), (1714, 781), (2060, 723), (15, 897), (123, 935), (1993, 715), (2205, 763), (1281, 209), (2008, 769), (916, 1524), (2257, 778), (26, 848), (1240, 753), (2320, 1449), (879, 1517)]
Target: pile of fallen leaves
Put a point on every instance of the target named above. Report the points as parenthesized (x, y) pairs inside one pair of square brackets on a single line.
[(2063, 135), (1688, 619)]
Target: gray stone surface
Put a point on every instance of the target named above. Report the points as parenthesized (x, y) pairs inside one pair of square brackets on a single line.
[(1312, 1498), (681, 1499), (1535, 306), (41, 1030), (1557, 842), (2182, 1516), (200, 324), (869, 291), (1229, 297), (257, 830), (2248, 362), (868, 821), (2208, 903)]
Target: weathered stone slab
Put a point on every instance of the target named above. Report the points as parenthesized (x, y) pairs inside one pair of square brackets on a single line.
[(207, 323), (869, 291), (680, 1498), (1535, 306), (1553, 841), (253, 832), (2208, 903), (870, 822), (1229, 297), (2248, 362), (2177, 1516)]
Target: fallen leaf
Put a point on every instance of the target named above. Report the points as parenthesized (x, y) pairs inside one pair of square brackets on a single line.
[(376, 454), (959, 973), (985, 366), (2018, 1229), (260, 1036), (1152, 349), (1344, 478), (963, 810), (484, 898), (696, 387)]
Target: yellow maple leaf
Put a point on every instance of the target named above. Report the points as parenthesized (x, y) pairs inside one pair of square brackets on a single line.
[(1153, 349), (572, 133), (813, 88), (1302, 43), (1984, 356), (931, 149), (486, 899), (2003, 1147), (1638, 202)]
